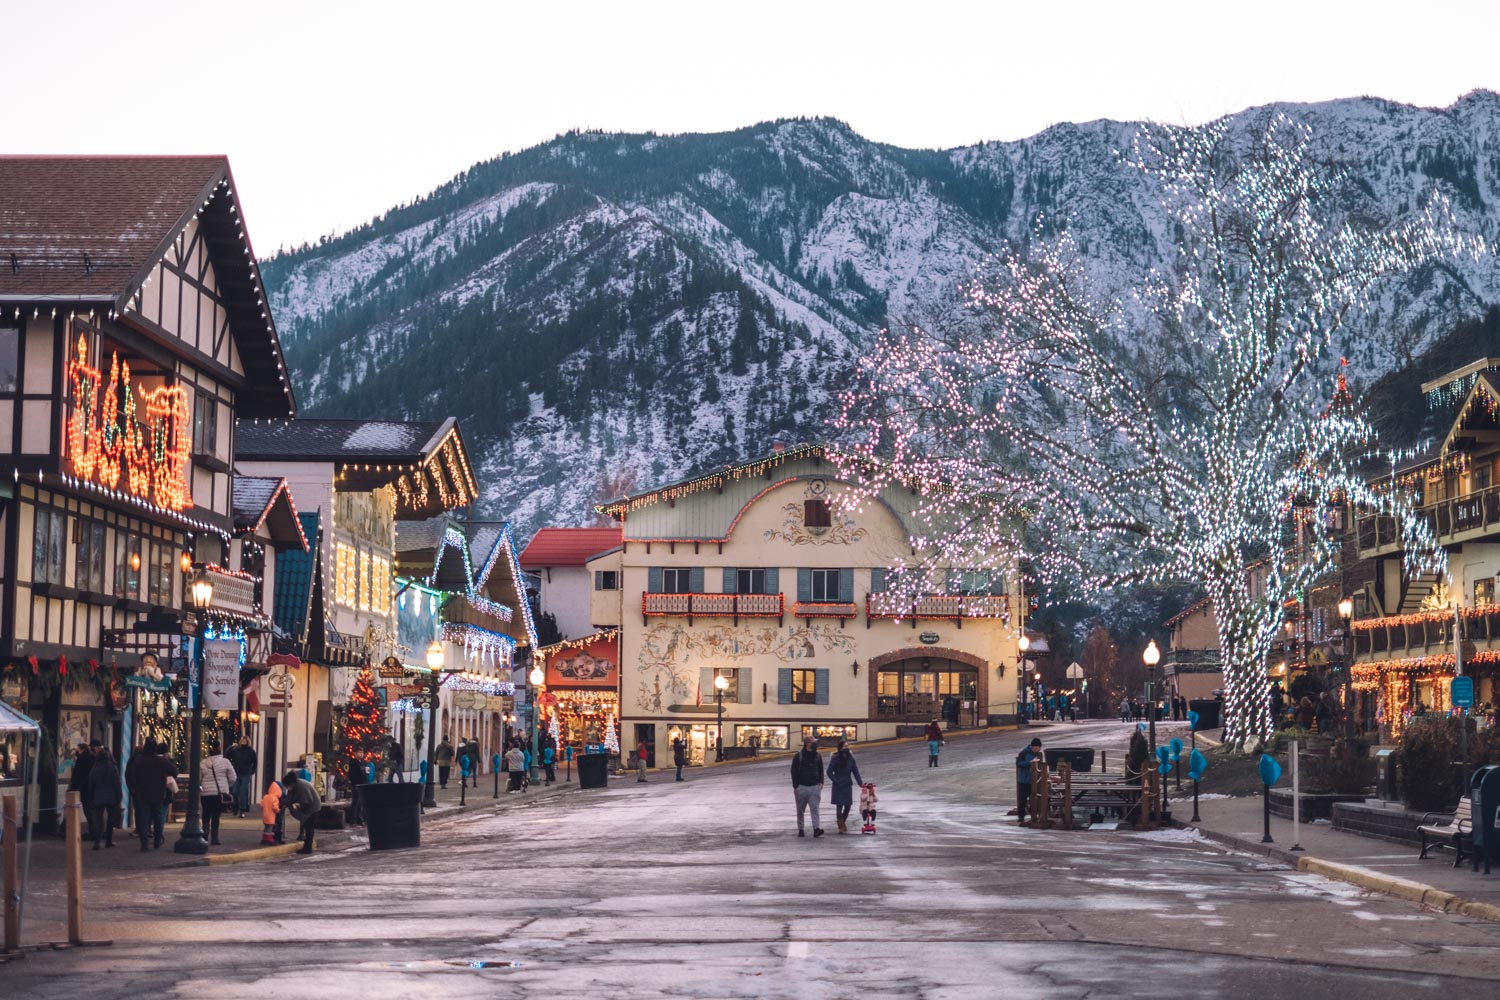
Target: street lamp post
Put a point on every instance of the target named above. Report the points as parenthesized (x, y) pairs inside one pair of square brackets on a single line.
[(191, 840), (1346, 646), (435, 659), (720, 684), (1024, 673), (1151, 657), (537, 677)]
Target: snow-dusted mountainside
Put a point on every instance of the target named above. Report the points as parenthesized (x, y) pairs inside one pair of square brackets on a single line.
[(609, 311)]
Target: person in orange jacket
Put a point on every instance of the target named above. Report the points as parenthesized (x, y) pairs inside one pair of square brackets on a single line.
[(270, 812)]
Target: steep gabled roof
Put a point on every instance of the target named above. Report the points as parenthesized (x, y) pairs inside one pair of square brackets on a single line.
[(295, 581), (567, 546), (504, 550), (715, 479), (1478, 412), (90, 229), (267, 500)]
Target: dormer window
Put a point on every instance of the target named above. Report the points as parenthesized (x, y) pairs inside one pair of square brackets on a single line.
[(815, 514)]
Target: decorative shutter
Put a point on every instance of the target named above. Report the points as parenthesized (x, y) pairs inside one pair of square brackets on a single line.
[(877, 581), (846, 585), (653, 580), (804, 586), (784, 686), (773, 581), (743, 676), (731, 579), (695, 579), (821, 682), (706, 685)]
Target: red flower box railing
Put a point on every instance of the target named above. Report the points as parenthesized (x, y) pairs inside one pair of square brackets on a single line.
[(713, 605)]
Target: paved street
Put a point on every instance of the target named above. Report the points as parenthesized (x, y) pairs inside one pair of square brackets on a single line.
[(703, 890)]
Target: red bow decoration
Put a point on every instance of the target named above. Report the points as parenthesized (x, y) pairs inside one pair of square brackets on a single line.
[(93, 667), (62, 666), (32, 660)]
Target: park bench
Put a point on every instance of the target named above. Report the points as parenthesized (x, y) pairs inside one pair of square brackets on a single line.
[(1454, 833)]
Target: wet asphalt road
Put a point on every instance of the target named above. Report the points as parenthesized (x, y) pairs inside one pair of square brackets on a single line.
[(702, 889)]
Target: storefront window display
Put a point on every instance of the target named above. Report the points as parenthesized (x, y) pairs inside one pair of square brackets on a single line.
[(762, 737), (830, 735)]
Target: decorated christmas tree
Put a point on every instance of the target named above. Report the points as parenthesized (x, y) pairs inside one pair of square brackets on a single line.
[(611, 741), (364, 724)]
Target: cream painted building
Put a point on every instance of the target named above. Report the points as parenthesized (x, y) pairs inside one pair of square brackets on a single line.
[(754, 574)]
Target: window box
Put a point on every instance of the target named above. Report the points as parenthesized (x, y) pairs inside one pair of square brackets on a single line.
[(842, 610)]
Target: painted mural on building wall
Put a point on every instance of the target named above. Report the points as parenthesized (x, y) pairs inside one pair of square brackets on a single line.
[(671, 655), (797, 529)]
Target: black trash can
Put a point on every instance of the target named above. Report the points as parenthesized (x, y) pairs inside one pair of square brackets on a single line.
[(393, 815), (1079, 758), (593, 770), (1208, 712)]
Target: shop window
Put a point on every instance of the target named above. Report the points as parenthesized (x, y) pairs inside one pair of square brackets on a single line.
[(380, 585), (1484, 592), (364, 582), (128, 566), (762, 737), (88, 565), (815, 514), (606, 579), (830, 735), (345, 590), (49, 546), (10, 359), (676, 581), (163, 557)]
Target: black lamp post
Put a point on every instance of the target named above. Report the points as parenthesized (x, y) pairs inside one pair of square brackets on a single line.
[(1346, 645), (1151, 657), (435, 659), (1024, 672), (720, 683), (192, 840)]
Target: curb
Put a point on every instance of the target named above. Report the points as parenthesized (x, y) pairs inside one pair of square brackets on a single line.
[(1373, 881), (254, 854)]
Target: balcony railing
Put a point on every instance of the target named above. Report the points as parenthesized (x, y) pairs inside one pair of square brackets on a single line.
[(954, 606), (842, 610), (1424, 632), (692, 606), (1473, 511)]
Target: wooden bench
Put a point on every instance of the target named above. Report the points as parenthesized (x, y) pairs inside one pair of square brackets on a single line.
[(1458, 829)]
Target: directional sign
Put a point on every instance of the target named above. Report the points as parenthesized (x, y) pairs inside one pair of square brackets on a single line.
[(1461, 692), (221, 675)]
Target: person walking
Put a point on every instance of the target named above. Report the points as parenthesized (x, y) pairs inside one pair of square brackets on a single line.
[(270, 814), (934, 736), (243, 757), (515, 760), (807, 784), (217, 788), (154, 775), (444, 753), (843, 775), (103, 797), (679, 756), (1023, 778), (640, 763), (301, 799), (525, 766), (549, 764), (78, 781), (398, 764)]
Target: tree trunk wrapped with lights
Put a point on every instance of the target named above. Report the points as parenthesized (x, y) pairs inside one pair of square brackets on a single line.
[(1178, 432)]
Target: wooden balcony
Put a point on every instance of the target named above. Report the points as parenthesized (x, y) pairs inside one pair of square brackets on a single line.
[(956, 607), (1461, 519), (842, 610), (1422, 634), (735, 606)]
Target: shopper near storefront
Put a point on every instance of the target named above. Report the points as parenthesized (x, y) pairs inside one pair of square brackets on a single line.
[(1023, 778), (217, 794), (549, 763), (155, 778), (843, 775), (398, 763), (679, 755), (301, 799), (807, 784), (444, 762), (640, 762), (103, 797), (78, 781), (515, 762), (244, 760)]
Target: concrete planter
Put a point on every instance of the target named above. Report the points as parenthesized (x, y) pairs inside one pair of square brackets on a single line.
[(1314, 806)]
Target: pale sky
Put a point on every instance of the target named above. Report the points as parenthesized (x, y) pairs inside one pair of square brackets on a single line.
[(334, 112)]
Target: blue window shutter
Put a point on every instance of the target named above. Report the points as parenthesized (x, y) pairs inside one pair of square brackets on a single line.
[(695, 579), (784, 686), (773, 581), (846, 585), (731, 579), (653, 580), (744, 693), (821, 680), (804, 585), (877, 581)]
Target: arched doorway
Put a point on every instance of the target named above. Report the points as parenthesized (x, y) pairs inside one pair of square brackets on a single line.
[(914, 686)]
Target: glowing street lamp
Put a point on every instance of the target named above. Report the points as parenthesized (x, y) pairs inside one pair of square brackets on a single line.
[(1151, 657), (1024, 672), (192, 840), (721, 683)]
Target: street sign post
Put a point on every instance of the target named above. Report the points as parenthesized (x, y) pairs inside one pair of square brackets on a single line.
[(221, 675), (1461, 692)]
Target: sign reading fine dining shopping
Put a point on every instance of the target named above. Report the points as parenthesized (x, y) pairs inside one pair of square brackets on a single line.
[(221, 675)]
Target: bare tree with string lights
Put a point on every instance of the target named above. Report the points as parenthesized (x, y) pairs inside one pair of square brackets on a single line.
[(1175, 433)]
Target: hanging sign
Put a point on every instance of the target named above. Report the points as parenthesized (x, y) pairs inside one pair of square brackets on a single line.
[(1461, 692), (929, 638), (221, 675), (391, 667), (148, 683)]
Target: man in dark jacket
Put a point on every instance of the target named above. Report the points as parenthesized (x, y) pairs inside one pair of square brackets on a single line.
[(679, 756), (807, 784), (244, 760), (1023, 778), (444, 762), (150, 791), (300, 799), (78, 781)]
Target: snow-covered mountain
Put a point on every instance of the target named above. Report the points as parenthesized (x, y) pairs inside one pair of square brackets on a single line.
[(609, 311)]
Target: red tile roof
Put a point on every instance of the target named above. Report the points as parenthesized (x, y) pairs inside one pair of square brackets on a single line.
[(568, 546)]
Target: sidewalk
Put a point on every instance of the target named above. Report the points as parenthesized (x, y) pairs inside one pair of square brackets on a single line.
[(1377, 865)]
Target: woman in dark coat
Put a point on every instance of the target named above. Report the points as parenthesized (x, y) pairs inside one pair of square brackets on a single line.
[(843, 775), (103, 797)]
